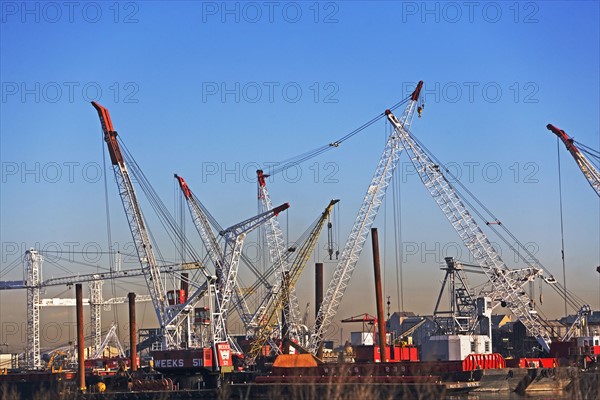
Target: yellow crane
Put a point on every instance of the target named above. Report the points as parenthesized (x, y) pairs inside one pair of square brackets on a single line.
[(268, 324)]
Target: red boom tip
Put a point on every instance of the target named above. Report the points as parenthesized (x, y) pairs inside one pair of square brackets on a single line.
[(184, 187), (281, 208), (387, 112), (261, 177), (415, 94)]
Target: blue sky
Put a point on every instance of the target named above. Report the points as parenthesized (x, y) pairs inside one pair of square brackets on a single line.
[(201, 88)]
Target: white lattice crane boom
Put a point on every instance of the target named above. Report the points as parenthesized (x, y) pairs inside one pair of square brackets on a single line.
[(170, 319), (201, 223), (33, 267), (362, 225), (278, 256), (133, 212), (234, 241), (210, 241), (505, 284), (226, 261)]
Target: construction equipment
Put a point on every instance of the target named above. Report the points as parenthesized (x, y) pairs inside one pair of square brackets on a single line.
[(280, 301), (589, 171), (58, 359), (34, 284), (506, 283), (461, 316), (362, 225), (226, 261), (279, 256), (499, 275), (234, 240), (209, 239), (580, 322), (111, 336), (170, 317)]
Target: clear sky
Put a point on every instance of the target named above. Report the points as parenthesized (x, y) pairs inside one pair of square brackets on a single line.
[(210, 90)]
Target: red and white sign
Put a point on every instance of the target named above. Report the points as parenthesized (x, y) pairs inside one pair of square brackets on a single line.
[(224, 354)]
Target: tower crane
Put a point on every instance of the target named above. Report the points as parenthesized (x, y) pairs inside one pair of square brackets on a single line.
[(34, 283), (289, 280), (170, 318), (589, 171), (362, 225), (505, 284)]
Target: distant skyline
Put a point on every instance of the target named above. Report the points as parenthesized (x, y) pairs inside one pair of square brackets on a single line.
[(214, 90)]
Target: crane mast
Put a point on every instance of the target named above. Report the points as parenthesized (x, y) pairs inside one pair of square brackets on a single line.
[(362, 225), (278, 256), (589, 171), (505, 284)]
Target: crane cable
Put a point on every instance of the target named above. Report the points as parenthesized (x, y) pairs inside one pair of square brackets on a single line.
[(593, 153), (562, 232), (398, 253), (574, 300), (108, 232), (173, 231), (294, 161)]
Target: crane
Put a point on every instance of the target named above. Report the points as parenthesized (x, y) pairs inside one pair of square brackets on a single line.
[(227, 261), (111, 335), (208, 238), (589, 171), (34, 283), (289, 280), (170, 318), (234, 241), (202, 215), (361, 228), (279, 256), (505, 283)]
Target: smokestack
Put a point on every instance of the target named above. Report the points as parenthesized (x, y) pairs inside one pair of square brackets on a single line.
[(285, 332), (132, 333), (319, 298), (378, 294), (80, 337)]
